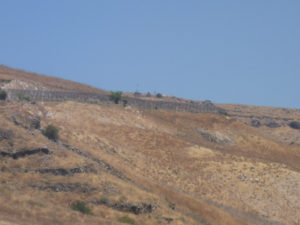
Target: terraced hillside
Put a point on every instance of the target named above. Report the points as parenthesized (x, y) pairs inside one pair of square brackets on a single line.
[(131, 165)]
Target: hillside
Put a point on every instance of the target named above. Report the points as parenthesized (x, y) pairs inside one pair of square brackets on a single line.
[(20, 79), (264, 118), (140, 166)]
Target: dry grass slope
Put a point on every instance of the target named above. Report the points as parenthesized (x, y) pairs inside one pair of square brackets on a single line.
[(191, 168), (42, 81)]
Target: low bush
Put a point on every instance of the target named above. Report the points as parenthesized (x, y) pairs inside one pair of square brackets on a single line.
[(125, 102), (126, 219), (295, 125), (3, 95), (51, 132), (104, 200), (82, 207), (115, 96)]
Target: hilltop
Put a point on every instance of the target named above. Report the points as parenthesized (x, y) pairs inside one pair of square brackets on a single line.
[(20, 79), (139, 165)]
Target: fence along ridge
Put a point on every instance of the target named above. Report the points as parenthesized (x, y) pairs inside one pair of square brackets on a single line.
[(98, 98)]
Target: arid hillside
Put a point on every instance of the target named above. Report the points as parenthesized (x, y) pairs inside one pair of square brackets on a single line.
[(20, 79), (116, 164), (264, 118)]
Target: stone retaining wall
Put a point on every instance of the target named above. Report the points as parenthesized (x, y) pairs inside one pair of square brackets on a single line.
[(57, 96)]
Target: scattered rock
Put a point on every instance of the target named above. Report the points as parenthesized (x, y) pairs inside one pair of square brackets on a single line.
[(106, 166), (27, 122), (169, 220), (24, 153), (62, 171), (5, 134), (135, 208), (216, 137), (69, 187), (255, 123), (16, 120), (4, 169), (49, 114), (171, 205), (22, 85), (35, 123), (272, 124), (242, 177)]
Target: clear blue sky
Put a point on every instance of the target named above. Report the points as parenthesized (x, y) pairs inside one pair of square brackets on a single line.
[(225, 51)]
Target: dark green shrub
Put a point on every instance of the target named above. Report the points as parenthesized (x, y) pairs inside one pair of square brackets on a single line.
[(3, 95), (126, 219), (115, 96), (295, 125), (159, 95), (51, 132), (104, 200), (125, 102), (82, 207)]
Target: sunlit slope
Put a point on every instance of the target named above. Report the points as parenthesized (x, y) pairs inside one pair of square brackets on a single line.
[(212, 167), (209, 157), (20, 79), (40, 187), (272, 122), (144, 166)]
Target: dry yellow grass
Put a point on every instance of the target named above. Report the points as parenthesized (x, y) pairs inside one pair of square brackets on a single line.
[(49, 83), (281, 116), (196, 168)]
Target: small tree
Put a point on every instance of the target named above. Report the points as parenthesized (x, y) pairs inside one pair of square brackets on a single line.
[(3, 95), (51, 132), (115, 96), (159, 95), (82, 207)]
